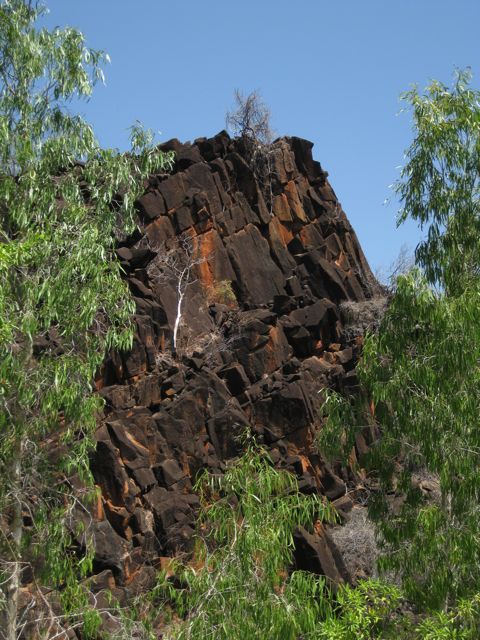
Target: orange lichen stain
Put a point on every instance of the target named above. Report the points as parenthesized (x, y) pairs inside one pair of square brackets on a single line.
[(306, 466), (318, 528), (112, 508), (159, 230), (135, 442), (285, 234), (275, 232), (205, 249), (99, 512), (319, 347), (185, 465), (129, 574), (307, 235), (99, 382), (161, 342), (125, 488), (294, 201), (291, 190), (281, 208), (271, 362), (343, 263), (273, 333)]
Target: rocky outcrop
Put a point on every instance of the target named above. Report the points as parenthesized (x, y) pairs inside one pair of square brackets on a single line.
[(261, 336)]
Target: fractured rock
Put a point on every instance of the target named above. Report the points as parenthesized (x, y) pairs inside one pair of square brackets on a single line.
[(260, 336)]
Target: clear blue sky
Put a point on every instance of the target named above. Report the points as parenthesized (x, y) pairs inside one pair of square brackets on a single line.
[(330, 70)]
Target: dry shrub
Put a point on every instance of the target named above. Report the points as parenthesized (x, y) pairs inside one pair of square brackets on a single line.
[(363, 316), (250, 119), (356, 542), (403, 264)]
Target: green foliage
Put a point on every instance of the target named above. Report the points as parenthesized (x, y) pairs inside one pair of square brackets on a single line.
[(461, 622), (440, 181), (237, 586), (222, 292), (344, 421), (239, 583), (365, 612), (63, 303), (422, 373), (422, 368)]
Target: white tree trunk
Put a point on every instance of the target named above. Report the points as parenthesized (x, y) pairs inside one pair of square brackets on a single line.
[(16, 530), (181, 295)]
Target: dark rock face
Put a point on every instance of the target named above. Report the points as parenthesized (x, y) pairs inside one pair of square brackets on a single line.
[(290, 256)]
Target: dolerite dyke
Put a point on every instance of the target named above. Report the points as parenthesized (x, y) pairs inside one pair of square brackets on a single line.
[(292, 258)]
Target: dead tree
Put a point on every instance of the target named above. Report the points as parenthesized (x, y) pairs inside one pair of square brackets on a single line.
[(403, 264), (250, 119), (176, 265)]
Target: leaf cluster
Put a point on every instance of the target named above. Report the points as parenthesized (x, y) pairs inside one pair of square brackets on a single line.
[(439, 185), (63, 302), (421, 369)]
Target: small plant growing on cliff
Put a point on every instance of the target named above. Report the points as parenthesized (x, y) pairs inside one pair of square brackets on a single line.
[(222, 292), (63, 304)]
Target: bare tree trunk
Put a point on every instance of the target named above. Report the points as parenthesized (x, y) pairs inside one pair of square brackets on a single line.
[(178, 317), (446, 500), (16, 531)]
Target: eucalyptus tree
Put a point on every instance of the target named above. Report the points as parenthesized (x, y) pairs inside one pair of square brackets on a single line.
[(440, 182), (240, 582), (63, 302), (238, 585), (422, 368)]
